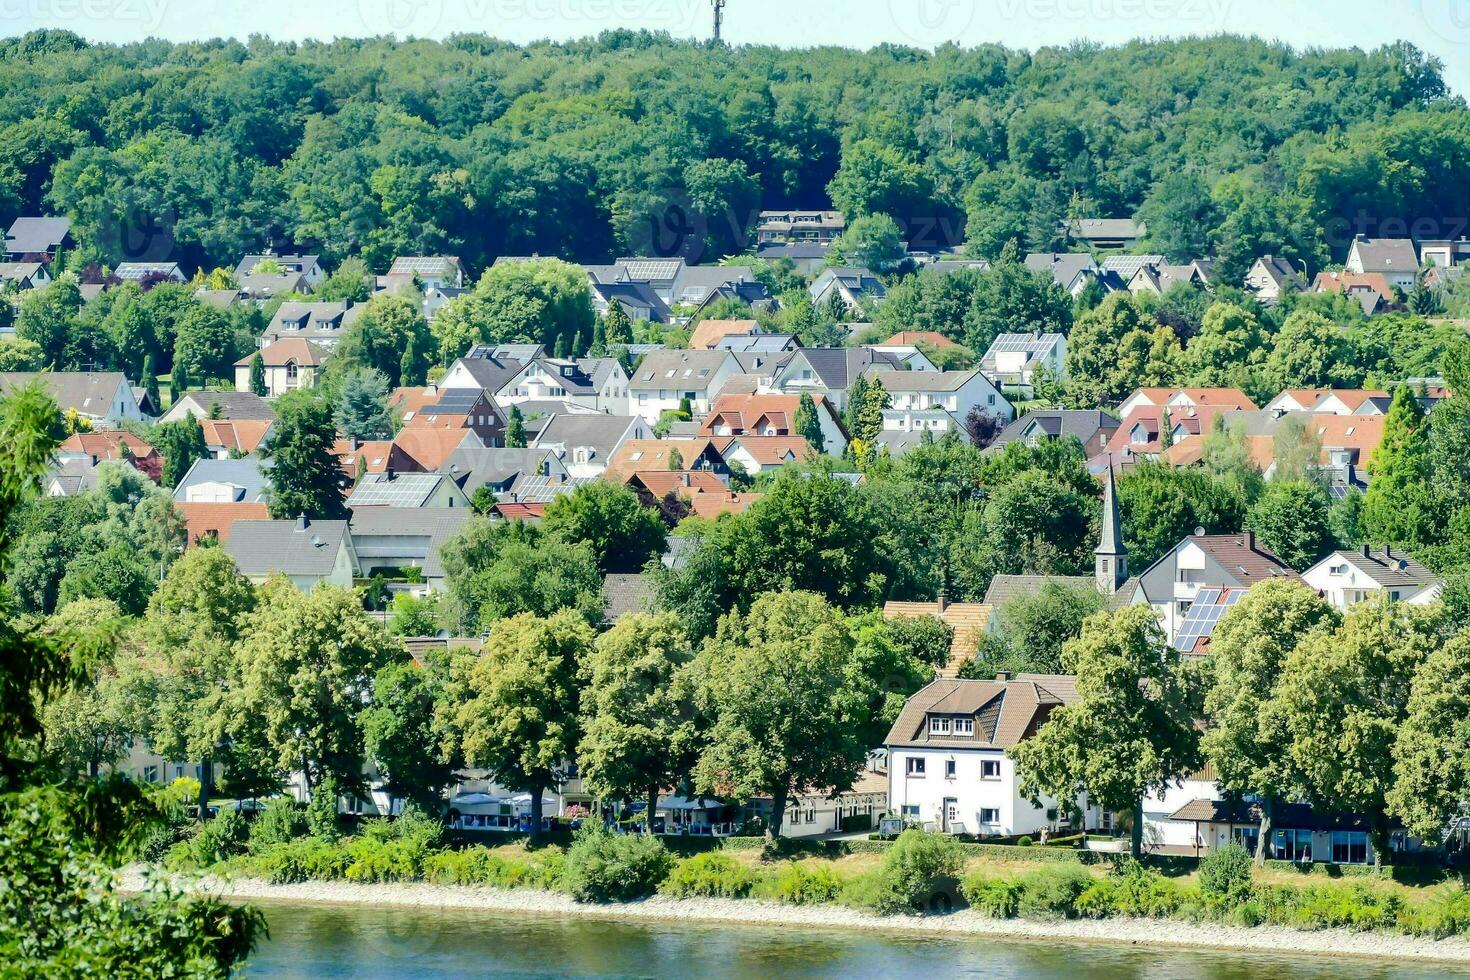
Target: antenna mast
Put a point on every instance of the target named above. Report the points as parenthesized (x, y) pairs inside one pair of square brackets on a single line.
[(719, 6)]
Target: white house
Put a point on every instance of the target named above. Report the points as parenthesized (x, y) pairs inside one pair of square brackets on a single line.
[(1201, 562), (771, 415), (1014, 357), (948, 767), (957, 392), (595, 383), (287, 364), (1346, 578), (665, 378), (585, 443), (1329, 401), (97, 396), (1395, 258), (1271, 277)]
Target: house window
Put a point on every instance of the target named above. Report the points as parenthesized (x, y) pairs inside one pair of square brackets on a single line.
[(1293, 845), (938, 726), (150, 774), (910, 811), (989, 816), (1349, 847), (964, 726), (290, 370), (949, 769), (990, 769), (809, 816), (1247, 837), (915, 766)]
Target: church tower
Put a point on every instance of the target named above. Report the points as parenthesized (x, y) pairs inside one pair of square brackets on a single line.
[(1111, 557)]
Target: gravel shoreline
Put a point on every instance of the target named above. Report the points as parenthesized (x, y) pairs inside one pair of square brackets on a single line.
[(750, 912)]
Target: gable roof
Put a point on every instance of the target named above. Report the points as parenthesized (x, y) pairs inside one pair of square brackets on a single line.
[(429, 446), (475, 466), (1058, 423), (1240, 555), (743, 413), (1390, 255), (679, 369), (489, 371), (234, 405), (301, 547), (624, 593), (968, 620), (709, 332), (236, 435), (86, 392), (106, 444), (1006, 711), (286, 350), (1063, 267), (250, 475), (433, 525), (912, 338), (1384, 568), (652, 454), (301, 265), (35, 236), (661, 483), (923, 380), (438, 266), (217, 520), (771, 450), (396, 490), (837, 367), (600, 433)]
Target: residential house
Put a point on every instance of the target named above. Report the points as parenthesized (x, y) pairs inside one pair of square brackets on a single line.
[(816, 812), (1177, 398), (708, 333), (1073, 271), (527, 498), (1158, 278), (1125, 266), (771, 415), (1443, 253), (1105, 233), (1330, 401), (587, 443), (806, 258), (935, 421), (750, 292), (905, 339), (830, 371), (437, 296), (434, 271), (407, 491), (638, 299), (957, 392), (1371, 289), (652, 486), (1346, 578), (229, 405), (949, 770), (21, 276), (320, 323), (804, 227), (659, 454), (908, 357), (149, 272), (227, 438), (289, 364), (69, 477), (115, 445), (391, 541), (596, 383), (759, 343), (461, 409), (264, 286), (426, 448), (1271, 277), (1088, 426), (37, 239), (1142, 430), (1395, 258), (967, 621), (308, 267), (224, 481), (1300, 833), (859, 289), (211, 523), (482, 369), (473, 467), (666, 378), (305, 551), (1014, 358), (97, 396), (1201, 561), (758, 454), (626, 593)]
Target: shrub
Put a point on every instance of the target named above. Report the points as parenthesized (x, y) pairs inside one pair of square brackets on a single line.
[(1445, 913), (280, 822), (709, 875), (919, 871), (1052, 890), (606, 867), (999, 898), (218, 839), (478, 866), (1024, 842), (303, 859), (1225, 876), (803, 883)]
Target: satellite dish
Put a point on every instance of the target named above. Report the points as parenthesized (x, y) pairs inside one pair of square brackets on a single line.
[(1199, 532)]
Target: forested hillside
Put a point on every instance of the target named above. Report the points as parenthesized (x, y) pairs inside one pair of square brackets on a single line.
[(479, 148)]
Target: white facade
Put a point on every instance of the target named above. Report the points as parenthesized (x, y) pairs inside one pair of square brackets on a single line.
[(975, 391), (1161, 832), (971, 791), (654, 392), (541, 381), (1345, 579)]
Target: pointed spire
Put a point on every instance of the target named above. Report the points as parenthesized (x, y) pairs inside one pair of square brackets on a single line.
[(1111, 555)]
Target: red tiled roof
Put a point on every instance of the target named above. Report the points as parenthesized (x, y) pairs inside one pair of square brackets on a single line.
[(217, 518), (297, 349), (708, 333), (241, 435), (910, 337)]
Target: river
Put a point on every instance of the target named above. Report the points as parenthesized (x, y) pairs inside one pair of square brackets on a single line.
[(363, 944)]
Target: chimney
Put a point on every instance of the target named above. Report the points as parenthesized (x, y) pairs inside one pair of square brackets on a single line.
[(1388, 551), (388, 474), (1002, 676), (1367, 551), (942, 601), (302, 523), (684, 478), (352, 444), (1248, 541)]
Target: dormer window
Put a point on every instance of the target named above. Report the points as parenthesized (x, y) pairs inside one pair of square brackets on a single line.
[(964, 726), (938, 725)]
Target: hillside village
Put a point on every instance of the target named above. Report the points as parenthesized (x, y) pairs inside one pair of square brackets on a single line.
[(481, 463)]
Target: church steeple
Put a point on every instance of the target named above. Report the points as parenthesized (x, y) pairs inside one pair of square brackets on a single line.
[(1111, 556)]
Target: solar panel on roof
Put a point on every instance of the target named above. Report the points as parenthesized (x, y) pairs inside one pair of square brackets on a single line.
[(1204, 614)]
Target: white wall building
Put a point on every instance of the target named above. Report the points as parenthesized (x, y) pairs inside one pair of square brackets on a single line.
[(1346, 578)]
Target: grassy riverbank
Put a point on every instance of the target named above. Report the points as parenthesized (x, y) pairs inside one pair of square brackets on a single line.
[(922, 881)]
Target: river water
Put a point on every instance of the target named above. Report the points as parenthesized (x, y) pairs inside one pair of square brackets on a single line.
[(363, 944)]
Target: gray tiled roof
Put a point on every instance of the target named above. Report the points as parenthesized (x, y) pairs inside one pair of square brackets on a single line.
[(89, 392), (300, 264), (432, 525), (692, 369), (489, 372), (1388, 255), (248, 474), (293, 547), (32, 236), (235, 405), (401, 490), (922, 380), (1059, 423), (322, 320), (599, 432), (626, 593), (1064, 267), (473, 467)]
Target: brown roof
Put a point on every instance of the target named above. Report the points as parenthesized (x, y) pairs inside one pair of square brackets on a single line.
[(1353, 398), (241, 435), (376, 454), (297, 349), (410, 400), (1005, 711), (430, 447), (771, 450), (652, 454), (747, 413), (708, 333), (911, 337), (685, 482), (105, 445), (715, 504), (1196, 421), (1231, 397), (1346, 282), (967, 619), (1243, 557), (202, 519)]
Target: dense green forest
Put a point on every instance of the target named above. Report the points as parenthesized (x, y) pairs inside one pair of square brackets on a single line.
[(478, 147)]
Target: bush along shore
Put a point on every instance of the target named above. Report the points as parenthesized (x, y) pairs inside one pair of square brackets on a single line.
[(918, 874)]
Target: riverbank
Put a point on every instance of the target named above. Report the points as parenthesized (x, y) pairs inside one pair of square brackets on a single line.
[(1138, 932)]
